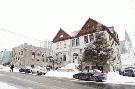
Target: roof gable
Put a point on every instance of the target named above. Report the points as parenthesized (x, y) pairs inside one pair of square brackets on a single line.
[(61, 35), (89, 27)]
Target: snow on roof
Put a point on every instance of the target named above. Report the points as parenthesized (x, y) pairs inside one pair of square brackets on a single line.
[(73, 34)]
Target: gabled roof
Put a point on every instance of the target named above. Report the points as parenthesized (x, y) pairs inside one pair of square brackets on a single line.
[(90, 26), (84, 30), (93, 23), (61, 35), (127, 37)]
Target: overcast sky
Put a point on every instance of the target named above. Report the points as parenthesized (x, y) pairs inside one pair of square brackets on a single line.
[(29, 20)]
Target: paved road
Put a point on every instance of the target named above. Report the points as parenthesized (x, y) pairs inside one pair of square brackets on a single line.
[(27, 81)]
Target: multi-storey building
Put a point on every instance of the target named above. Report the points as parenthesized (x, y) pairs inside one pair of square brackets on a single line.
[(70, 48), (5, 57), (46, 44), (28, 55)]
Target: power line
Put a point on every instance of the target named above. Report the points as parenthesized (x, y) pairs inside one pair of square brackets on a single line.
[(18, 34)]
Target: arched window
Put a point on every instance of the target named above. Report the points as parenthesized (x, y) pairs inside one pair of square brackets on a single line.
[(33, 54)]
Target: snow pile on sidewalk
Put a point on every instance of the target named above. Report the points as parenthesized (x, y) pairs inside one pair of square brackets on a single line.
[(114, 77), (6, 86), (66, 72), (60, 74), (7, 69), (71, 67)]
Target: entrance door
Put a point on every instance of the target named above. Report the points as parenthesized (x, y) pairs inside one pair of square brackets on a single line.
[(75, 58)]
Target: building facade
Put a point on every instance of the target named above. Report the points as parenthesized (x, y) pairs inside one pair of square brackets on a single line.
[(28, 55), (46, 44), (70, 48)]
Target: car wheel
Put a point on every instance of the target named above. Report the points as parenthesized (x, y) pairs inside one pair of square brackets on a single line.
[(80, 78), (97, 79)]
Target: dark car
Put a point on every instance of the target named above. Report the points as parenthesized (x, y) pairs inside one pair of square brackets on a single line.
[(21, 70), (129, 72), (25, 70), (90, 75)]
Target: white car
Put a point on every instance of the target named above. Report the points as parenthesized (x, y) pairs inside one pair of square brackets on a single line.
[(39, 70)]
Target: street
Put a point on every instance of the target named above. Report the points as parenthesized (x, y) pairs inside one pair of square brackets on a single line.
[(28, 81)]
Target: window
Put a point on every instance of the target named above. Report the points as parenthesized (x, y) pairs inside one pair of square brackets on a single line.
[(73, 42), (64, 44), (43, 59), (46, 59), (77, 42), (110, 38), (61, 45), (42, 55), (21, 52), (33, 54), (61, 36), (80, 51), (57, 45), (85, 39), (91, 37), (38, 54), (73, 60), (64, 57)]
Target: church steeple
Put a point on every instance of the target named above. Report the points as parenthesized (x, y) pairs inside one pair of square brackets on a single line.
[(127, 37)]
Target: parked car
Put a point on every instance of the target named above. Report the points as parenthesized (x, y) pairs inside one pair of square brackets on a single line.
[(129, 72), (39, 70), (21, 70), (121, 71), (91, 75), (25, 69)]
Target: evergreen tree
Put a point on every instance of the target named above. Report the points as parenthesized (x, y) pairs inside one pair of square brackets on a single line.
[(98, 52)]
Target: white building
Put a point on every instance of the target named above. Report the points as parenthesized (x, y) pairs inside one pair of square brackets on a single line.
[(46, 44), (69, 48)]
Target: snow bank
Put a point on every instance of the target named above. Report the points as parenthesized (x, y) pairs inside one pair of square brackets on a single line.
[(114, 77), (6, 86), (60, 74), (70, 67), (66, 72), (7, 69)]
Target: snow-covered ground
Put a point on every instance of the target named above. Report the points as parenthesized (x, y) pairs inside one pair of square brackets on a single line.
[(7, 69), (65, 72), (6, 86), (115, 78), (71, 69), (112, 77), (60, 74)]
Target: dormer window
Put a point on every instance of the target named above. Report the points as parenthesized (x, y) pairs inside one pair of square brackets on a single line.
[(61, 36), (85, 39)]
